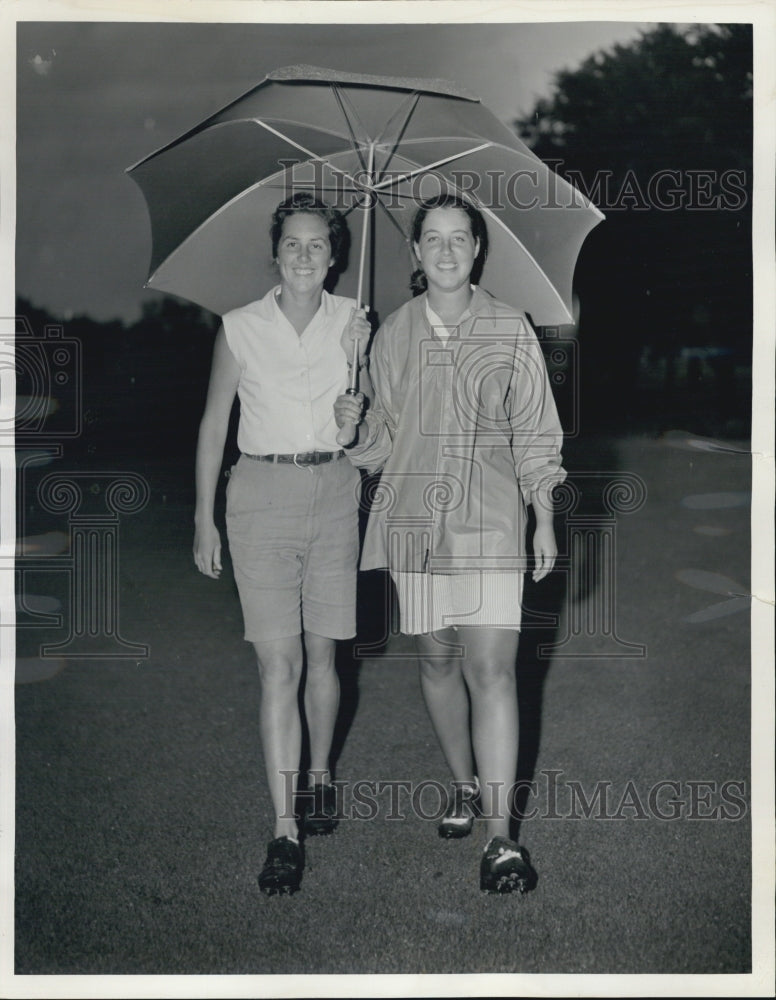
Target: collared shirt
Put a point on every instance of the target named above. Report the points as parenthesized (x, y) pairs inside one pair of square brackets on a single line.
[(288, 382), (465, 430)]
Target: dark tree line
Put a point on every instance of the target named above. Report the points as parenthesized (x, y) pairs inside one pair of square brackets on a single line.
[(142, 385), (658, 133)]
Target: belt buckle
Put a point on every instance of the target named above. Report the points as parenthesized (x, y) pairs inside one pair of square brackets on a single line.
[(307, 464)]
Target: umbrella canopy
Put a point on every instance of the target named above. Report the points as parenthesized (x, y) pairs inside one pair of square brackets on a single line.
[(363, 143)]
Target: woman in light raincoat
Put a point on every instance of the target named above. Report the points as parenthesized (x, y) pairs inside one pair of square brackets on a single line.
[(466, 432)]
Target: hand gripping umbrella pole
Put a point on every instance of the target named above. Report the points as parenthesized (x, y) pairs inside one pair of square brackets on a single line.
[(347, 432)]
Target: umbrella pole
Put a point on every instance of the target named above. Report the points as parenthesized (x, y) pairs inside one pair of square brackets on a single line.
[(348, 431), (361, 266)]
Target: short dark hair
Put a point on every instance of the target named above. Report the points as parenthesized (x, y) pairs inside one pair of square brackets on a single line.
[(304, 203), (476, 223)]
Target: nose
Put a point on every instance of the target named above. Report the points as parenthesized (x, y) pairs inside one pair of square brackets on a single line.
[(304, 252)]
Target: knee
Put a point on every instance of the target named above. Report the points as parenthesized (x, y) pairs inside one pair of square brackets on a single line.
[(279, 673), (439, 670), (320, 656), (321, 670), (490, 675)]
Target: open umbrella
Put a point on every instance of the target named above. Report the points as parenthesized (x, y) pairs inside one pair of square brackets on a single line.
[(370, 145)]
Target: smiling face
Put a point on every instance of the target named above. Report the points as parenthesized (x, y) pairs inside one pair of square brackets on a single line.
[(304, 252), (446, 248)]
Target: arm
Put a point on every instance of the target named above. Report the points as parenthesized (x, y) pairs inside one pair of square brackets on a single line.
[(545, 547), (365, 383), (536, 442), (354, 342), (357, 330), (372, 443), (224, 378)]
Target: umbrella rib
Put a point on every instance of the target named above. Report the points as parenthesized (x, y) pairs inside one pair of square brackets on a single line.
[(307, 152), (363, 204), (526, 154), (430, 166), (390, 216), (356, 143), (411, 99), (410, 103)]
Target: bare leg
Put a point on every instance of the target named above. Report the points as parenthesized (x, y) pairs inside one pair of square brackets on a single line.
[(280, 670), (489, 673), (444, 691), (321, 702)]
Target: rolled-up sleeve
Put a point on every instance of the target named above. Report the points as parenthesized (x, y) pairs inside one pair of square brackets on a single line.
[(537, 435)]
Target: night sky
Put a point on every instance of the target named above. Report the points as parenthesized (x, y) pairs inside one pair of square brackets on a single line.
[(94, 98)]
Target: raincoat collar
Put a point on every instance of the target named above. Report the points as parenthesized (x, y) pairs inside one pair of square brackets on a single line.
[(480, 306)]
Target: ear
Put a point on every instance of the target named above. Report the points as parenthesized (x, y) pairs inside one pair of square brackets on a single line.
[(476, 248), (416, 251)]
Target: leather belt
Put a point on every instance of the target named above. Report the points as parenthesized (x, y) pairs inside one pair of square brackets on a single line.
[(300, 458)]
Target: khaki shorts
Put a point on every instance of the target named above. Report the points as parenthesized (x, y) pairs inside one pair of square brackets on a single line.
[(293, 540)]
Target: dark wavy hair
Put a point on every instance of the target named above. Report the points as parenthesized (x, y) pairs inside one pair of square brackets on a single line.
[(305, 203), (418, 282)]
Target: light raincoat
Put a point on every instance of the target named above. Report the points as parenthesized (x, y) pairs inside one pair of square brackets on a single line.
[(465, 430)]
